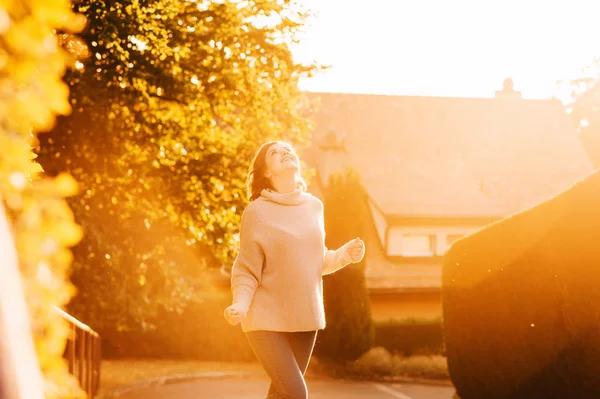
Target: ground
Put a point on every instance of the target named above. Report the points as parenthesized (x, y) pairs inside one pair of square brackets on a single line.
[(166, 379), (116, 373), (255, 388)]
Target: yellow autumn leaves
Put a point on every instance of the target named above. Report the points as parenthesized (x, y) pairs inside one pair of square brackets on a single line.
[(32, 93), (31, 63)]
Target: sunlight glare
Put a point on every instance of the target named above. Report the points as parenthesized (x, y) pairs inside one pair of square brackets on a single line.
[(465, 48)]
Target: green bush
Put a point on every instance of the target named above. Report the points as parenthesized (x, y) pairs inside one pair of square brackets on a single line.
[(410, 337), (349, 331), (520, 300)]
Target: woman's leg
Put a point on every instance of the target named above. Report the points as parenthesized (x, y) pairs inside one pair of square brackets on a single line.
[(302, 344), (275, 352)]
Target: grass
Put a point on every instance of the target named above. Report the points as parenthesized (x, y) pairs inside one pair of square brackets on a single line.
[(120, 372)]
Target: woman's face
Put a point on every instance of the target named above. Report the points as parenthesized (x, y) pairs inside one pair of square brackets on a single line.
[(280, 159)]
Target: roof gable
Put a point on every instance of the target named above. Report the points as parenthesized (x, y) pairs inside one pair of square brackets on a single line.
[(452, 157)]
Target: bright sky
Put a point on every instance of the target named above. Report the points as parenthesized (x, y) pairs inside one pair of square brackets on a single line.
[(461, 48)]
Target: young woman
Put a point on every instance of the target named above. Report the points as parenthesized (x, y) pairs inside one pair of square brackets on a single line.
[(277, 276)]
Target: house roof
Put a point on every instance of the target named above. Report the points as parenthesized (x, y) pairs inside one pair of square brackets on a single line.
[(450, 157)]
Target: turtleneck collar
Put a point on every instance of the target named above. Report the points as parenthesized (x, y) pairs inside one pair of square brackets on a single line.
[(295, 197)]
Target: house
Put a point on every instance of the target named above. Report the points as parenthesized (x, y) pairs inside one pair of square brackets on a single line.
[(436, 169)]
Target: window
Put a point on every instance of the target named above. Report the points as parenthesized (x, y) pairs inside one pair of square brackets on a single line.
[(402, 243), (421, 241), (418, 245)]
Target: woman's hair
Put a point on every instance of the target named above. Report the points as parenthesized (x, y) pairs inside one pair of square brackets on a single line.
[(256, 180)]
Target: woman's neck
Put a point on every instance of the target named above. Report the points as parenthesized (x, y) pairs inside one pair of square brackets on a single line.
[(284, 184)]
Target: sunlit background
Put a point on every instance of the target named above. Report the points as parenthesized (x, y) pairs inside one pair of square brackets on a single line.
[(125, 210), (463, 48)]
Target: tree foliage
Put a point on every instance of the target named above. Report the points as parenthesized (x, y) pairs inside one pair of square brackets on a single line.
[(585, 110), (32, 65), (349, 331), (169, 105)]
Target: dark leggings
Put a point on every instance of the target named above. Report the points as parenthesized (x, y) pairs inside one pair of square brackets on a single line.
[(285, 357)]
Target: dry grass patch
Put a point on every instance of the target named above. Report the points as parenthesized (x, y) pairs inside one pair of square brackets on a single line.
[(378, 363)]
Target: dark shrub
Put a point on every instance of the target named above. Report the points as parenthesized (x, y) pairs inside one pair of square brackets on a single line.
[(349, 331), (521, 301)]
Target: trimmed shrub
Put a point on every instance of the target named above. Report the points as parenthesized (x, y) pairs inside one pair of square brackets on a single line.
[(410, 337), (349, 331), (520, 299)]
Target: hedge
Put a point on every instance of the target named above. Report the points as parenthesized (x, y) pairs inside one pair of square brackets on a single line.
[(199, 332), (410, 337), (202, 333), (520, 302)]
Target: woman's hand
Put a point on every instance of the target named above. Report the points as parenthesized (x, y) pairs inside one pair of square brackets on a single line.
[(355, 250), (235, 313)]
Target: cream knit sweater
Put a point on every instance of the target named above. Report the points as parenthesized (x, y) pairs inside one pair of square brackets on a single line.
[(278, 271)]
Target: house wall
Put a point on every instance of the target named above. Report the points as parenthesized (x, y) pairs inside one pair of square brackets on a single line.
[(400, 264), (402, 306)]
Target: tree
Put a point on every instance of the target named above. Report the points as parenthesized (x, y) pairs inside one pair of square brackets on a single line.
[(41, 222), (169, 106), (585, 110), (349, 332)]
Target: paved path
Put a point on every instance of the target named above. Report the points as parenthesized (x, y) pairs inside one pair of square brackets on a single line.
[(255, 388)]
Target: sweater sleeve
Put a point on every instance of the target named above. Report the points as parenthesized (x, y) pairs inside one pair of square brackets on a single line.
[(246, 272), (335, 260)]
